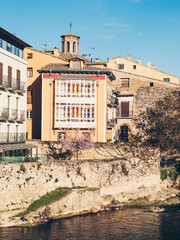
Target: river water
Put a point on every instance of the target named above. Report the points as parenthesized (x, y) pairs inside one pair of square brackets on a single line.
[(126, 224)]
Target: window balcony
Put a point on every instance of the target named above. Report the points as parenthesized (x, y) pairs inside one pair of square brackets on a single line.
[(111, 123), (12, 84), (4, 81), (120, 114), (112, 101), (21, 115), (4, 113), (12, 114), (12, 138)]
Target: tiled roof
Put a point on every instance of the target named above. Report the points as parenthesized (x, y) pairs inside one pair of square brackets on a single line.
[(69, 56), (55, 67), (70, 35)]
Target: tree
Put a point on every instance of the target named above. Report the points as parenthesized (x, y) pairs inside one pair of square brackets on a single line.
[(159, 126), (74, 142)]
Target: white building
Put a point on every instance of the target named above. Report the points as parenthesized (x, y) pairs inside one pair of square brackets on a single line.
[(13, 97)]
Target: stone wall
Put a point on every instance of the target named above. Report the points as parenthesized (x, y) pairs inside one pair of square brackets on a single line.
[(21, 184), (147, 97)]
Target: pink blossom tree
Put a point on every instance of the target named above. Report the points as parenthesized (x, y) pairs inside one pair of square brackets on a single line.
[(75, 142)]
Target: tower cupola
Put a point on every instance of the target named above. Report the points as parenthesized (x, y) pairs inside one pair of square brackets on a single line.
[(70, 43)]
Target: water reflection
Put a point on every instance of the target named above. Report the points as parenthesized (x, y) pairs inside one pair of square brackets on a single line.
[(123, 224)]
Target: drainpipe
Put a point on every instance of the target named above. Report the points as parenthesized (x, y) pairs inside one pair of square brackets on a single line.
[(97, 84), (50, 84)]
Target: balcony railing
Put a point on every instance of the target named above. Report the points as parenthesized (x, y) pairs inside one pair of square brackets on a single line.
[(21, 115), (112, 101), (124, 115), (13, 83), (12, 114), (12, 137), (111, 123), (4, 113)]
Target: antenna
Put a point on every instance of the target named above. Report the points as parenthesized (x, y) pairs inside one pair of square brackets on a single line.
[(70, 27), (44, 46)]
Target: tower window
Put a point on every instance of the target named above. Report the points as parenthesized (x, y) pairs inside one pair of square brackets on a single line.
[(74, 47), (68, 46)]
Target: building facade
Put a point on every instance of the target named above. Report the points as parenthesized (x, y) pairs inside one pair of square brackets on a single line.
[(13, 80)]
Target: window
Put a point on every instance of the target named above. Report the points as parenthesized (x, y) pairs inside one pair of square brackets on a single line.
[(29, 55), (124, 109), (166, 79), (124, 133), (151, 84), (74, 47), (29, 96), (76, 64), (125, 82), (29, 114), (9, 76), (120, 66), (134, 66), (30, 72), (86, 135), (61, 135), (18, 74), (68, 46)]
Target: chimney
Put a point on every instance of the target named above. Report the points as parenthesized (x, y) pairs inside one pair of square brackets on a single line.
[(56, 52), (139, 60), (153, 66), (96, 60), (129, 56), (148, 64)]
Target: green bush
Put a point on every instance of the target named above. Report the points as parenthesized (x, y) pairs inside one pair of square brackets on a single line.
[(170, 172), (44, 200)]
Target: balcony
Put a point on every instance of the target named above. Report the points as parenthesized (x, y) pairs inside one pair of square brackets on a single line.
[(12, 137), (112, 101), (124, 115), (12, 84), (12, 114), (4, 113), (21, 115), (111, 123)]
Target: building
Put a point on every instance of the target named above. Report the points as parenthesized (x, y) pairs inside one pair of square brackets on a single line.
[(49, 68), (79, 98), (130, 77), (13, 77)]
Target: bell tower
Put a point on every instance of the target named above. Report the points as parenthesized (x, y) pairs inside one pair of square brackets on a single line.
[(70, 43)]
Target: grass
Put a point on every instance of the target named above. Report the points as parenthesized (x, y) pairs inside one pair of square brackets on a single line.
[(44, 200)]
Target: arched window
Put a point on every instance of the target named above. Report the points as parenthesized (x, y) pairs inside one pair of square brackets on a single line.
[(74, 47), (62, 46), (68, 46)]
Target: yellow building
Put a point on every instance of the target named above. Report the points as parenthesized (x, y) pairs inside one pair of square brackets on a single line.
[(67, 93)]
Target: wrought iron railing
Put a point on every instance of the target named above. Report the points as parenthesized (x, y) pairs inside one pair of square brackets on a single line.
[(12, 114), (12, 137), (4, 113), (21, 115), (111, 123), (120, 114), (13, 83)]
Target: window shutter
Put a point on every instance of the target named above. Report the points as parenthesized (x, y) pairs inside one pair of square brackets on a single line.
[(124, 109)]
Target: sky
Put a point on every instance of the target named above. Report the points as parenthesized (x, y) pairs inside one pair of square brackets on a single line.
[(146, 29)]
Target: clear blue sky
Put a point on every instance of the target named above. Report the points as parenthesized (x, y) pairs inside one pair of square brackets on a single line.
[(149, 29)]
